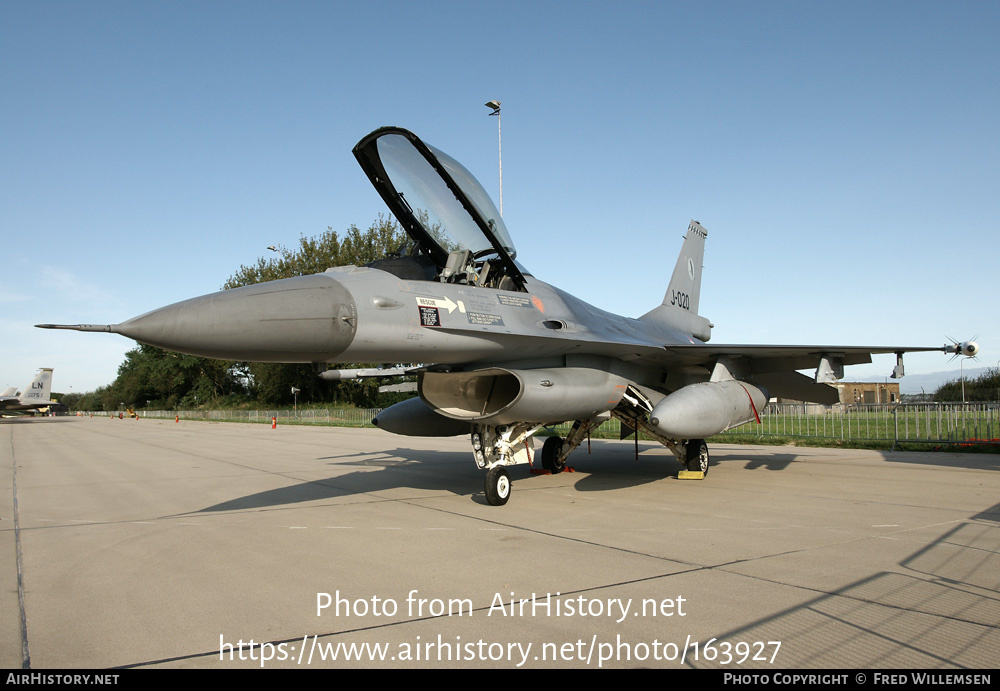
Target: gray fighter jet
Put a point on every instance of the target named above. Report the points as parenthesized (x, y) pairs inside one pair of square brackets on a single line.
[(35, 397), (505, 354)]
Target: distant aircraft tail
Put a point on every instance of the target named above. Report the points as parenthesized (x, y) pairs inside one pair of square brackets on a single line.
[(40, 389), (680, 303)]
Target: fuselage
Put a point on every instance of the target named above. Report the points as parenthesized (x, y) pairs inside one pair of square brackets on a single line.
[(363, 314)]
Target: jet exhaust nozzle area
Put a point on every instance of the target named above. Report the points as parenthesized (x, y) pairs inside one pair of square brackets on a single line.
[(302, 319), (700, 410)]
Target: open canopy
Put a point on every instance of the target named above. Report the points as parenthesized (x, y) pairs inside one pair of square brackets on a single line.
[(437, 201)]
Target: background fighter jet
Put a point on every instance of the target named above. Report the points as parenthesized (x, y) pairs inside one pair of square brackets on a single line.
[(508, 353), (32, 398)]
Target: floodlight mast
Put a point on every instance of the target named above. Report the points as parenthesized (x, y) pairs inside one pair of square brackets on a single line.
[(495, 105)]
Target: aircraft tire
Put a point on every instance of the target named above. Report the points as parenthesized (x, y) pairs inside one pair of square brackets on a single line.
[(497, 486), (550, 455), (697, 456)]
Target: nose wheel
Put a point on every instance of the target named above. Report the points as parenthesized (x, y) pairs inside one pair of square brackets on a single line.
[(497, 486)]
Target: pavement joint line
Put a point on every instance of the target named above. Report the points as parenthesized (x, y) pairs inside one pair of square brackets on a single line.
[(25, 652)]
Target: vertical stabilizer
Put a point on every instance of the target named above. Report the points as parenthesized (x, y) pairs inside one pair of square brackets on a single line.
[(40, 389), (680, 303), (685, 284)]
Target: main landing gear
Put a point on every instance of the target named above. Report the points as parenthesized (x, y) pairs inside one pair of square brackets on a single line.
[(553, 459), (697, 456), (495, 447)]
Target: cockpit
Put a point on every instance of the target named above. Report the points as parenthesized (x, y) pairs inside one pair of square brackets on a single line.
[(456, 233)]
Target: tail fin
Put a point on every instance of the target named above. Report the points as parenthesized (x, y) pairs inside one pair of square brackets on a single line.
[(680, 303), (40, 389)]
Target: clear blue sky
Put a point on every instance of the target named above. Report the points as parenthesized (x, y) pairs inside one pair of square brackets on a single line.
[(842, 155)]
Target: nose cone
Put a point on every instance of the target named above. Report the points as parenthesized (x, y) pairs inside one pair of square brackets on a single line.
[(303, 319)]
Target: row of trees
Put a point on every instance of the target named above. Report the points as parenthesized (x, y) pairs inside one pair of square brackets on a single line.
[(154, 378), (984, 388)]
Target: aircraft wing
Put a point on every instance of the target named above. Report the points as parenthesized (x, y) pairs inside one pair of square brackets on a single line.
[(776, 367), (639, 348), (779, 358)]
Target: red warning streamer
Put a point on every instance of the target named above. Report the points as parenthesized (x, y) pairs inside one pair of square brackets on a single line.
[(752, 406)]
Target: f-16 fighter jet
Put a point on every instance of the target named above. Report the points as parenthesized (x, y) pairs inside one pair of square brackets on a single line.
[(504, 355)]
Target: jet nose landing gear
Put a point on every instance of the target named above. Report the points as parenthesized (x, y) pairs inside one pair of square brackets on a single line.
[(496, 447), (497, 486)]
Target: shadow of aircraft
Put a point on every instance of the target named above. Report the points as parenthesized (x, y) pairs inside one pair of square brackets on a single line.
[(423, 470), (608, 466), (405, 468), (941, 611)]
